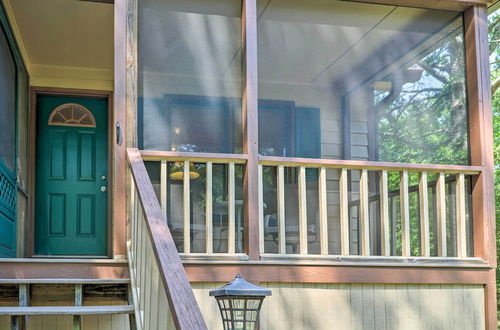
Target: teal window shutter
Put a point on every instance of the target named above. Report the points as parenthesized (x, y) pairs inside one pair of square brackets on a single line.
[(308, 137)]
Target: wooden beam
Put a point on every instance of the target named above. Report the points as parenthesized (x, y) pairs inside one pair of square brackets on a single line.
[(423, 195), (195, 157), (368, 165), (344, 213), (441, 215), (481, 144), (384, 216), (63, 270), (455, 5), (302, 199), (364, 214), (404, 203), (281, 210), (250, 127), (323, 212), (183, 306), (119, 113), (346, 274)]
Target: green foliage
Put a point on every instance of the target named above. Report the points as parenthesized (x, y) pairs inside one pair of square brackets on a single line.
[(494, 35)]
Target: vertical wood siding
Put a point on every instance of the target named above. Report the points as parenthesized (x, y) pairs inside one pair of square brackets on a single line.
[(361, 306)]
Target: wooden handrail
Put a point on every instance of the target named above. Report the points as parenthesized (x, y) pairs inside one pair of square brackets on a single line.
[(368, 165), (202, 157), (183, 305)]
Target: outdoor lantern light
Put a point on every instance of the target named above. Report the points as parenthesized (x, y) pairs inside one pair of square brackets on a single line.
[(239, 303)]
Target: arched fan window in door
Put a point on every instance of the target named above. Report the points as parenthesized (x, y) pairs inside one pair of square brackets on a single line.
[(71, 114)]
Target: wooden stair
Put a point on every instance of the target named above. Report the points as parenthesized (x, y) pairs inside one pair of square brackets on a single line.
[(67, 310), (24, 299)]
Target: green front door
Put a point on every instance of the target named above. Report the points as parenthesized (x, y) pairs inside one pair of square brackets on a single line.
[(71, 176)]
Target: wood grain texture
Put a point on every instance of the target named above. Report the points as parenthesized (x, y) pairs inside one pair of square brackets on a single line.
[(302, 198), (425, 249), (460, 216), (184, 308), (119, 181), (208, 209), (250, 116), (441, 215), (362, 306), (404, 203), (384, 215), (344, 213), (281, 210), (345, 274), (195, 157), (186, 206), (364, 214), (367, 165), (323, 212), (231, 212), (455, 5), (481, 140)]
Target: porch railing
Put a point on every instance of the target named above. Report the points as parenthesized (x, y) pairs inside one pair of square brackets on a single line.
[(383, 228), (364, 201), (162, 294), (233, 224)]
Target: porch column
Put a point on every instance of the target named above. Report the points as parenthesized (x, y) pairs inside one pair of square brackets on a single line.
[(250, 128), (481, 147)]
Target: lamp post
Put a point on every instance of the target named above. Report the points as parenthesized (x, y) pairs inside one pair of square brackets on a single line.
[(239, 303)]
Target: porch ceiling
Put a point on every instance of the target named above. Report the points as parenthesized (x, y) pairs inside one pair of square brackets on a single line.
[(65, 33)]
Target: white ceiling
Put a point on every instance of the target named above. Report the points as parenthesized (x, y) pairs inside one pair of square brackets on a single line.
[(300, 42), (66, 33)]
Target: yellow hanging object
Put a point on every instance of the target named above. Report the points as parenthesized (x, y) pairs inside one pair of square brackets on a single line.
[(178, 172)]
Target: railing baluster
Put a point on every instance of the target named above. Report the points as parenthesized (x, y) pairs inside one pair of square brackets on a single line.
[(281, 210), (425, 250), (460, 205), (231, 211), (404, 203), (323, 216), (163, 186), (302, 191), (441, 214), (187, 209), (384, 215), (344, 213), (364, 221), (208, 210), (261, 210)]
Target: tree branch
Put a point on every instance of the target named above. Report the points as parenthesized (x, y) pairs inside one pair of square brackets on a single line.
[(495, 85)]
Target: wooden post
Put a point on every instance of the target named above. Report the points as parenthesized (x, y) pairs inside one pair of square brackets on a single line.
[(208, 210), (344, 213), (187, 208), (425, 249), (250, 128), (302, 192), (384, 215), (364, 217), (441, 215), (481, 149), (323, 215), (404, 204), (281, 210), (77, 319)]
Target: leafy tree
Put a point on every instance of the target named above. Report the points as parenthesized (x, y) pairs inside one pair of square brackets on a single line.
[(494, 35)]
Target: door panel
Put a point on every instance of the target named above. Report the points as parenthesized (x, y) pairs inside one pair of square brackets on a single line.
[(8, 190), (71, 179)]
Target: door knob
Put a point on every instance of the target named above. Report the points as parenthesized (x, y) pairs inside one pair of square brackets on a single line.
[(103, 188)]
